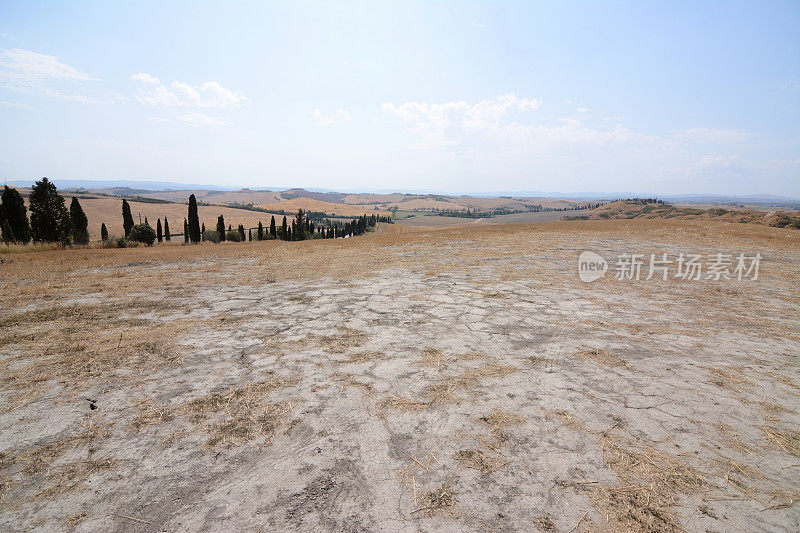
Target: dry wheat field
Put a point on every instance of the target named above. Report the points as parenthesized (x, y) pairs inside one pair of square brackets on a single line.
[(414, 379)]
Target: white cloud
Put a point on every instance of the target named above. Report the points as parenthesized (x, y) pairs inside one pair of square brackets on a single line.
[(710, 135), (209, 94), (722, 164), (14, 105), (502, 124), (199, 119), (340, 116), (582, 110), (448, 123), (42, 74)]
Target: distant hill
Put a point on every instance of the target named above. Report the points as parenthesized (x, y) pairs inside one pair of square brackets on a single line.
[(646, 208)]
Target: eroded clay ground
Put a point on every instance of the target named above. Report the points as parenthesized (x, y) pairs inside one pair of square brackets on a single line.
[(443, 380)]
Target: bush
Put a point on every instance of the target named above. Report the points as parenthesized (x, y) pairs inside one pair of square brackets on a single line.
[(211, 235), (142, 233), (233, 235)]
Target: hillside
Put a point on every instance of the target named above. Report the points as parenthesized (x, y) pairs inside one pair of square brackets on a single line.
[(101, 210), (638, 208), (346, 204)]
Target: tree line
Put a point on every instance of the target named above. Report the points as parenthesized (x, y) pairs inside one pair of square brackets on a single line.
[(50, 220)]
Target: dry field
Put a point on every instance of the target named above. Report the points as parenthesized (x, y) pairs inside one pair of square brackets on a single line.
[(415, 379)]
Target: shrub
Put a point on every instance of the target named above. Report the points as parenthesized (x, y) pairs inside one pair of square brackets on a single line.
[(233, 235), (211, 235), (142, 233)]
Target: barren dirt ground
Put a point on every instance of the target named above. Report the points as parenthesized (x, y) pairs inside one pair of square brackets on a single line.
[(440, 380)]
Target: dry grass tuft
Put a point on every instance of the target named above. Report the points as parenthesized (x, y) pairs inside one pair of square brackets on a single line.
[(349, 380), (545, 523), (480, 461), (470, 377), (41, 466), (602, 358), (71, 477), (73, 520), (343, 340), (43, 457), (446, 391), (150, 413), (431, 357), (76, 344), (437, 501), (787, 440), (728, 379), (649, 483), (241, 414), (361, 357), (498, 420), (731, 438)]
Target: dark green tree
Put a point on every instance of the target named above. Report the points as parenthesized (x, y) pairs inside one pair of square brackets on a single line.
[(159, 234), (194, 220), (80, 224), (145, 220), (298, 226), (143, 233), (127, 217), (185, 231), (166, 229), (49, 215), (260, 232), (241, 231), (250, 234), (221, 227), (13, 211), (103, 232), (284, 229), (273, 231), (6, 235)]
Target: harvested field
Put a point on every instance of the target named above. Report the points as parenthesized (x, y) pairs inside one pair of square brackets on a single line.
[(432, 379)]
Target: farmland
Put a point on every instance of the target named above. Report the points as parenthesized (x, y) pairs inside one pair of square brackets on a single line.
[(449, 379)]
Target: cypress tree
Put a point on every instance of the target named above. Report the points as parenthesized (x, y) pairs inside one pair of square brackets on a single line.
[(146, 223), (250, 234), (166, 229), (241, 231), (103, 232), (260, 233), (6, 235), (284, 229), (13, 211), (49, 216), (298, 226), (185, 231), (127, 218), (272, 230), (194, 220), (159, 235), (221, 227), (80, 231)]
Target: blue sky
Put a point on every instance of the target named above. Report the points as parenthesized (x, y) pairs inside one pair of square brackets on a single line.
[(661, 97)]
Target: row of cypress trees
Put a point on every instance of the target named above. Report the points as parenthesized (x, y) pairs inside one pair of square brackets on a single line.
[(50, 221)]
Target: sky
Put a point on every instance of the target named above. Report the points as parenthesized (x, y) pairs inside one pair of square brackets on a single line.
[(458, 97)]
